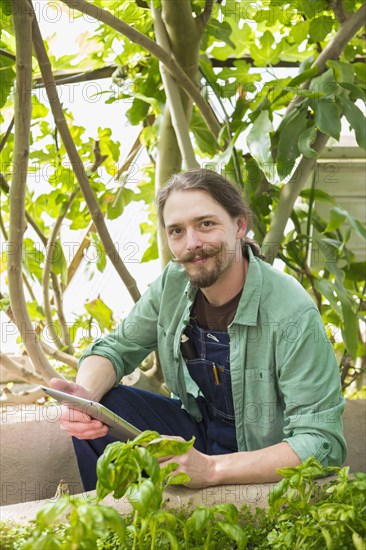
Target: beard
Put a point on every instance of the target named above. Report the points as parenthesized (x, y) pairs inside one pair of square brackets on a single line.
[(205, 275)]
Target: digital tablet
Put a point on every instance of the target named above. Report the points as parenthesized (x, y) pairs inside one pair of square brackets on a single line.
[(119, 428)]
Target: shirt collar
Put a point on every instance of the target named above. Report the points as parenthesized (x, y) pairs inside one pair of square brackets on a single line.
[(247, 312)]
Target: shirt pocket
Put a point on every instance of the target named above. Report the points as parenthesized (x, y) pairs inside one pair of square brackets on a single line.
[(261, 399)]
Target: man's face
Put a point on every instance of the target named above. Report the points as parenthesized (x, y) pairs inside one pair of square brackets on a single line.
[(202, 236)]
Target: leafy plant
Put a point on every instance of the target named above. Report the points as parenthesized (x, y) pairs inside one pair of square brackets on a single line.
[(307, 516), (302, 514)]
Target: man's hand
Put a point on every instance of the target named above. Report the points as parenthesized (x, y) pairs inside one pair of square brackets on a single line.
[(198, 466), (76, 423)]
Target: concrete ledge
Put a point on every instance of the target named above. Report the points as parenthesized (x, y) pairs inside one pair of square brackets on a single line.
[(36, 455), (174, 498), (354, 427)]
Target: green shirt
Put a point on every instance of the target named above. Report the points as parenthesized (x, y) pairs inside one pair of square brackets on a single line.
[(285, 379)]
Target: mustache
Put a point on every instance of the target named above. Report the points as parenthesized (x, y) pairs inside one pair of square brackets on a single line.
[(202, 255)]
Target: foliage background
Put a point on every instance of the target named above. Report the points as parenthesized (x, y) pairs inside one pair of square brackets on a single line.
[(263, 131)]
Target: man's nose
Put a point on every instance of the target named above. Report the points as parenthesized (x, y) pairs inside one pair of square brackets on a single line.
[(193, 240)]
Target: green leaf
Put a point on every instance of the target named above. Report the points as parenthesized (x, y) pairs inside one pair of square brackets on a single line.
[(325, 83), (358, 541), (101, 257), (360, 71), (38, 109), (318, 195), (320, 27), (199, 519), (5, 6), (59, 262), (326, 288), (220, 30), (356, 119), (147, 463), (171, 538), (337, 217), (327, 117), (304, 76), (7, 77), (122, 198), (151, 253), (350, 326), (145, 437), (204, 138), (52, 511), (343, 72), (169, 447), (259, 144), (101, 313), (150, 100), (240, 36), (32, 258), (356, 92), (356, 271), (137, 112), (235, 532), (228, 510), (266, 54), (144, 497), (306, 139), (179, 479), (289, 131)]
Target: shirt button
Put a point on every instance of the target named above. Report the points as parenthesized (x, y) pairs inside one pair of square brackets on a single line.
[(326, 445)]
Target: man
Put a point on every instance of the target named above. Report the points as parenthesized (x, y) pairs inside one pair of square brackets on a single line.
[(242, 348)]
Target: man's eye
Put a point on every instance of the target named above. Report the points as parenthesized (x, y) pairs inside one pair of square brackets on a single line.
[(207, 223), (175, 231)]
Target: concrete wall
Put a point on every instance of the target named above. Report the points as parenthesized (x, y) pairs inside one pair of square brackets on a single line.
[(36, 455)]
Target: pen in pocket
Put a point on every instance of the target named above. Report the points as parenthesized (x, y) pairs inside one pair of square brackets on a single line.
[(216, 374)]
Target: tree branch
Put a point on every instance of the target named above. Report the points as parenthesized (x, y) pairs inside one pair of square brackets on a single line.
[(339, 12), (77, 164), (5, 53), (349, 28), (60, 355), (45, 285), (174, 101), (205, 15), (334, 48), (24, 397), (288, 195), (49, 350), (20, 372), (23, 109), (183, 31), (139, 38), (5, 187)]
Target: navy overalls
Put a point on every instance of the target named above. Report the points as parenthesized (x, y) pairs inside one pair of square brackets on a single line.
[(211, 372), (209, 367)]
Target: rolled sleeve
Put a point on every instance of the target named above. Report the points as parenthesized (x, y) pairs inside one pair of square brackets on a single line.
[(134, 338), (309, 382)]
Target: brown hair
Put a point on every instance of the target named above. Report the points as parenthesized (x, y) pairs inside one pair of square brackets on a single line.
[(218, 187)]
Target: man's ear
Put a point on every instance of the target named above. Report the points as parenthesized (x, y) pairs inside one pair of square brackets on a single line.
[(242, 227)]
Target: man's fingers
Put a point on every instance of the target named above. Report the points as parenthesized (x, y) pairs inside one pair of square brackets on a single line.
[(91, 430), (70, 414)]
